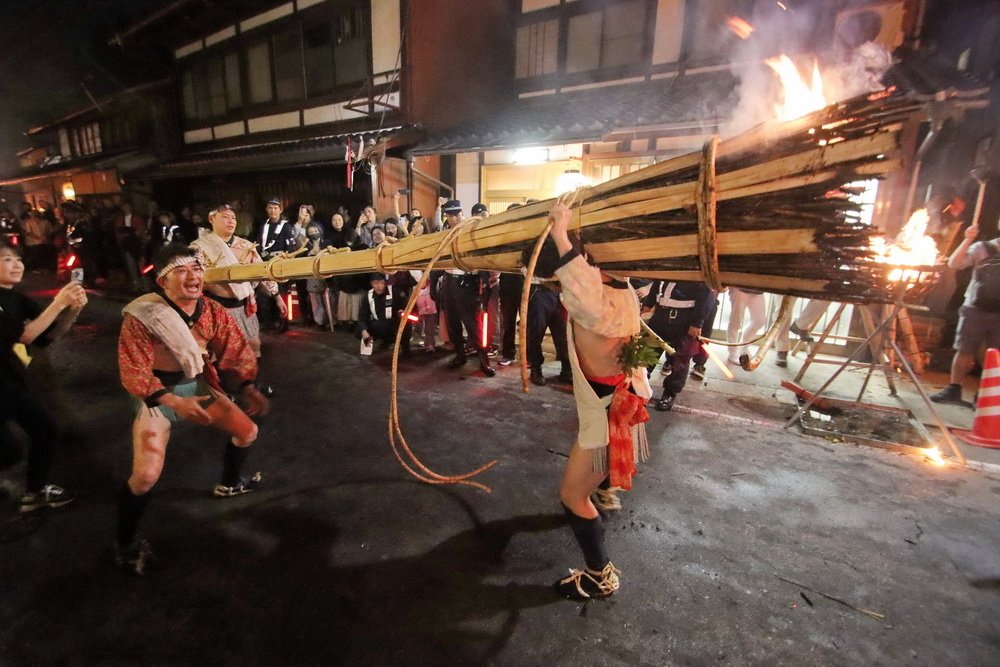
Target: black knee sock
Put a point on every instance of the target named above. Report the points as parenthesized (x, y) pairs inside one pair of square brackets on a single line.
[(589, 534), (130, 509), (232, 463)]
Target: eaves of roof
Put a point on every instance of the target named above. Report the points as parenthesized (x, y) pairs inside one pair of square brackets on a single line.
[(124, 160), (925, 73), (694, 103), (265, 156)]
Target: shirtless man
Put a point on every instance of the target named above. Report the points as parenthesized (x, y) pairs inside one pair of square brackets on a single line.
[(604, 315)]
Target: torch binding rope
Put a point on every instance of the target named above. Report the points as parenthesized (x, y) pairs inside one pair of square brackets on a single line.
[(456, 256), (706, 200), (529, 273), (418, 469), (329, 250), (269, 264)]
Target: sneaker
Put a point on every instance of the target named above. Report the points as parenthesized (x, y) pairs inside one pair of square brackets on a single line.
[(950, 394), (666, 403), (245, 485), (606, 500), (588, 584), (493, 352), (135, 557), (505, 361), (781, 360), (50, 496), (666, 370), (803, 335), (698, 372)]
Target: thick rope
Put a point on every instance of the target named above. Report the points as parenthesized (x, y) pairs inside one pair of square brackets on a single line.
[(456, 256), (522, 327), (769, 336), (329, 250), (378, 257), (706, 199), (418, 469)]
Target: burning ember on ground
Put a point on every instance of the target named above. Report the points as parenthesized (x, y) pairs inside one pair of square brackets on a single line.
[(742, 29), (798, 96), (912, 247)]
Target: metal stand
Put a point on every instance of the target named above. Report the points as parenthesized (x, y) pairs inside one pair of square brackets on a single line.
[(878, 352), (876, 346)]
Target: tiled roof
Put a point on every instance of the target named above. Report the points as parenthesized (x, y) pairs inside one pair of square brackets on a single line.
[(926, 73), (327, 149), (571, 117)]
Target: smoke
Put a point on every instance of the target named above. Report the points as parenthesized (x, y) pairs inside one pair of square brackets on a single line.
[(851, 62)]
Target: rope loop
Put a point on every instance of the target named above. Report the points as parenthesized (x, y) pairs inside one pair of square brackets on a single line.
[(456, 257), (329, 250), (269, 270), (706, 200), (378, 257)]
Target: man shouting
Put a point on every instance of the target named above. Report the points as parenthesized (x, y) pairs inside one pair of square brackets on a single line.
[(176, 352)]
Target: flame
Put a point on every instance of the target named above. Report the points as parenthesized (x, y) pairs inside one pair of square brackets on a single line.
[(798, 97), (934, 455), (742, 29), (912, 247)]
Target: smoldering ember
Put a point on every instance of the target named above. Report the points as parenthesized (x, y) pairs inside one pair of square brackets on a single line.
[(500, 332)]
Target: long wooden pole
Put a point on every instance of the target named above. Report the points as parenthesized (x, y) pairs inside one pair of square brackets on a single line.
[(770, 206)]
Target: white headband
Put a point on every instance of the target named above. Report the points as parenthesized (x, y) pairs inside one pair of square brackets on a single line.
[(182, 260)]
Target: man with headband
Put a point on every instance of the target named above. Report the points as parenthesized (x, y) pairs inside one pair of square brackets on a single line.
[(176, 352)]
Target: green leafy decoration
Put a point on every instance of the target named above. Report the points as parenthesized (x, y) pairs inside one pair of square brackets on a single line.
[(642, 350)]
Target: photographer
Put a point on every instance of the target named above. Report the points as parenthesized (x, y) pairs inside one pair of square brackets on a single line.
[(22, 323)]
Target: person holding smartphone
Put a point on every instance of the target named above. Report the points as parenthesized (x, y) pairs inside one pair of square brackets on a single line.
[(24, 323)]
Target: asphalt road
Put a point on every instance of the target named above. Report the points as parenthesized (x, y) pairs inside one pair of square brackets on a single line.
[(741, 544)]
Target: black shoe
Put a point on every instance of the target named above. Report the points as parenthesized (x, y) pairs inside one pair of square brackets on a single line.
[(537, 377), (135, 557), (565, 377), (950, 394), (50, 495), (698, 372), (588, 584), (487, 370), (281, 326), (457, 362), (666, 403), (803, 335), (245, 485)]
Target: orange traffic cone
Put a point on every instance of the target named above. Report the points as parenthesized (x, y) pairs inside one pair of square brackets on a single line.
[(986, 428)]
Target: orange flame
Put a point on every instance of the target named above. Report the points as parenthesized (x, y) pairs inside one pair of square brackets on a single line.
[(798, 97), (912, 247), (742, 29)]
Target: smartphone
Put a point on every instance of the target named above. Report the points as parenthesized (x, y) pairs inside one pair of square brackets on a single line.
[(404, 191), (76, 275)]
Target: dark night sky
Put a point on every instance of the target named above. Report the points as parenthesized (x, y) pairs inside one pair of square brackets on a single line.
[(53, 50)]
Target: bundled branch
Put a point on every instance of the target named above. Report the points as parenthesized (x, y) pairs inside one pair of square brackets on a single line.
[(769, 209)]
